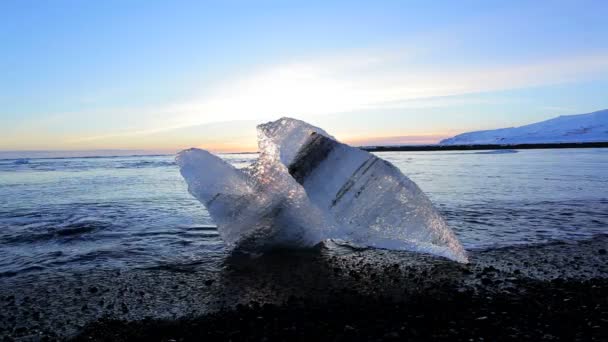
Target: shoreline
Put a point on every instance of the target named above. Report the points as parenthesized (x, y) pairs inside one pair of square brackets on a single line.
[(400, 148), (478, 147), (551, 291)]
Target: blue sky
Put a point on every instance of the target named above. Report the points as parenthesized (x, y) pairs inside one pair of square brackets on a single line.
[(173, 74)]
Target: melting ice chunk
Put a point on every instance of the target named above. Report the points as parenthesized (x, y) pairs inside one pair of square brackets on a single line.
[(373, 203), (306, 187), (254, 209)]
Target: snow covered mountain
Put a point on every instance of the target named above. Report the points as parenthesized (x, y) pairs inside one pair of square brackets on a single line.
[(591, 127)]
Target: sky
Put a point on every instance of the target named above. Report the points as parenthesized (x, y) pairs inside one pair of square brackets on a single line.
[(168, 75)]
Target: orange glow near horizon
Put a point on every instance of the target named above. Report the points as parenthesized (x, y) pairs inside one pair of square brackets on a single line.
[(229, 148), (419, 139), (233, 142)]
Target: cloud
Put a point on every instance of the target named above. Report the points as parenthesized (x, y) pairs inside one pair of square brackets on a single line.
[(369, 82), (364, 82)]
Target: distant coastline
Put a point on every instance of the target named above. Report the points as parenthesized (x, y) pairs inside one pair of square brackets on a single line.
[(482, 147), (16, 155)]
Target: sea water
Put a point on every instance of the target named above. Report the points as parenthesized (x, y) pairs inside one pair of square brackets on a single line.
[(74, 214)]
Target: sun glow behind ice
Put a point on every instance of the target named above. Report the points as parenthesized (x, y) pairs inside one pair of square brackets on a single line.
[(302, 89), (354, 83)]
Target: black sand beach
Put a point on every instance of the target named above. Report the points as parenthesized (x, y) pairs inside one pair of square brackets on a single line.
[(555, 291)]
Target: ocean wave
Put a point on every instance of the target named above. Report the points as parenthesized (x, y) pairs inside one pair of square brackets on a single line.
[(80, 164), (53, 231), (21, 161), (507, 151), (145, 164)]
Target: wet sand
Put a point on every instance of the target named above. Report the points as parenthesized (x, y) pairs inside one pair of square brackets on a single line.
[(555, 291)]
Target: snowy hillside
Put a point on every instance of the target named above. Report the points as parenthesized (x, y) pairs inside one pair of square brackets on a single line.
[(592, 127)]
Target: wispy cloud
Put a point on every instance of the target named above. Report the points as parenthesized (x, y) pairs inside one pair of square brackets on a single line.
[(315, 88), (558, 109), (354, 83)]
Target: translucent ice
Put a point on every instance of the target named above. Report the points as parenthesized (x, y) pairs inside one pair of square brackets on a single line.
[(254, 209), (373, 203), (306, 187)]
